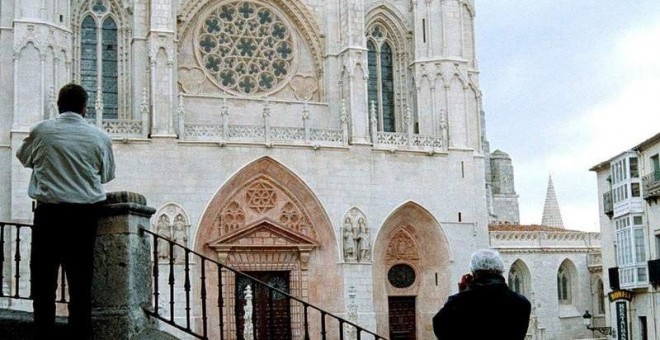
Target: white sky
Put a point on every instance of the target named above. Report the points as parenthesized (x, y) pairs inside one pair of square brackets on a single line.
[(566, 85)]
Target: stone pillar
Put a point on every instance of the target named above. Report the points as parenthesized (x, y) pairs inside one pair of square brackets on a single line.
[(122, 268)]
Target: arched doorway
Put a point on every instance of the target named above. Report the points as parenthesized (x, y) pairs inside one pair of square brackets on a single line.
[(265, 221), (411, 272)]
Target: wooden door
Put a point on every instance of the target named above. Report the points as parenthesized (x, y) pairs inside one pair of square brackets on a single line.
[(271, 316), (402, 317)]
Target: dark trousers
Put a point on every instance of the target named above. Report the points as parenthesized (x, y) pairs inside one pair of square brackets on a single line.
[(63, 234)]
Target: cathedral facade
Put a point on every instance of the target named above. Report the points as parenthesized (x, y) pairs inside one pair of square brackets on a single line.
[(335, 147)]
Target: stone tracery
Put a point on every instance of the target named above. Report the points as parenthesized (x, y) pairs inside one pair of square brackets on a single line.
[(246, 47), (263, 199)]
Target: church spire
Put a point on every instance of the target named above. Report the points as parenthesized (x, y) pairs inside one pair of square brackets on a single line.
[(551, 213)]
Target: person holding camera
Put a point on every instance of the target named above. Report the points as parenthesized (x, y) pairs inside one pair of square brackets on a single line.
[(484, 307)]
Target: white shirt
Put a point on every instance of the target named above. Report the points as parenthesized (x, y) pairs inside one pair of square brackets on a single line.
[(70, 160)]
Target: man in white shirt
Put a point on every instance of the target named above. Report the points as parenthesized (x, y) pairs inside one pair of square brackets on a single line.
[(70, 160)]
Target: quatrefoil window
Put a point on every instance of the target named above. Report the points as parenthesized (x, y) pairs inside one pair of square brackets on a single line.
[(246, 47)]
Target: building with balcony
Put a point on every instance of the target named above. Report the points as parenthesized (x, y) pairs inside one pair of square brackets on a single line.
[(628, 188), (336, 149)]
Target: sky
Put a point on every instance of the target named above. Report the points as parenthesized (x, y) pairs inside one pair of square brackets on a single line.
[(567, 84)]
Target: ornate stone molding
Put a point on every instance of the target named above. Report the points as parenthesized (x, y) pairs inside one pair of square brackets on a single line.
[(393, 21), (265, 237)]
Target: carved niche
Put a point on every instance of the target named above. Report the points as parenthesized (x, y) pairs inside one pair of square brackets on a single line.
[(172, 222), (356, 237)]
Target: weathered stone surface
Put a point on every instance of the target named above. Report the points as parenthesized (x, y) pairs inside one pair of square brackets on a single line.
[(121, 289)]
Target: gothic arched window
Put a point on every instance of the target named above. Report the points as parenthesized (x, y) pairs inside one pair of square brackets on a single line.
[(99, 45), (381, 78), (563, 286)]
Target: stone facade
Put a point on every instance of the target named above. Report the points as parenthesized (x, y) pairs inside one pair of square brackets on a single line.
[(263, 132), (504, 198)]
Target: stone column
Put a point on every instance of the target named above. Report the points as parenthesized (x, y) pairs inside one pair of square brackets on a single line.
[(122, 268)]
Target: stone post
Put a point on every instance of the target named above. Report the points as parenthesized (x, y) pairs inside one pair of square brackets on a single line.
[(122, 268)]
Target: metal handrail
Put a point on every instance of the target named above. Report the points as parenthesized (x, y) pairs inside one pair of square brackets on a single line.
[(204, 334), (14, 240)]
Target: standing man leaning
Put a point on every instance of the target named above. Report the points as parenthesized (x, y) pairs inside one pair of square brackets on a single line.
[(70, 160), (485, 307)]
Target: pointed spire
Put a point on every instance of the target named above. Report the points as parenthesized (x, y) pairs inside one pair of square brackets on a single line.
[(551, 213)]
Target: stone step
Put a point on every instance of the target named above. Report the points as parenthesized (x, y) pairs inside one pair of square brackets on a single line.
[(18, 325)]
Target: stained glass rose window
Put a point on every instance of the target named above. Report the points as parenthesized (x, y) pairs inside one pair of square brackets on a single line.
[(246, 47)]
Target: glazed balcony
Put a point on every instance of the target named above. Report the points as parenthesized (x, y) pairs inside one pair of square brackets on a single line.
[(651, 183)]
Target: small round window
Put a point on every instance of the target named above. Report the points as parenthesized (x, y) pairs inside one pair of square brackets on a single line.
[(401, 275)]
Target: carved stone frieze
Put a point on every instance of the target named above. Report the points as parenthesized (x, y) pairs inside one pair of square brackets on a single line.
[(232, 218), (402, 248), (304, 87), (263, 199), (43, 37), (191, 79)]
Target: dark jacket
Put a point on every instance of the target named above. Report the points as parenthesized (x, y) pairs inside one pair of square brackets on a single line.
[(487, 309)]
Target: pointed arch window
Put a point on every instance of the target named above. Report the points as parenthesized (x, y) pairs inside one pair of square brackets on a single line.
[(99, 46), (563, 286), (381, 78)]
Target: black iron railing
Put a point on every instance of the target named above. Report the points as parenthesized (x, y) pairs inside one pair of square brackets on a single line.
[(15, 246), (204, 312), (199, 308)]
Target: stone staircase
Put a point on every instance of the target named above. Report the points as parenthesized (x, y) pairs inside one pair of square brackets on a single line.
[(18, 325)]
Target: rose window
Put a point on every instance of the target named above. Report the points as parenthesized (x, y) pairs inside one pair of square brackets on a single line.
[(246, 47), (401, 275)]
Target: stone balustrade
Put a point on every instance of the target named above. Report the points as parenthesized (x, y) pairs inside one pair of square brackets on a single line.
[(544, 239)]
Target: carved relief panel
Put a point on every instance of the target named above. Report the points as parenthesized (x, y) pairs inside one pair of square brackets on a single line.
[(356, 237), (263, 199), (172, 222), (402, 259)]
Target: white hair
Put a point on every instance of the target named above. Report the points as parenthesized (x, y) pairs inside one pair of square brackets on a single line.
[(486, 260)]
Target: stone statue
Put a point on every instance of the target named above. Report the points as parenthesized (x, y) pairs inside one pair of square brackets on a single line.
[(349, 240), (363, 242), (164, 229), (443, 128), (180, 236)]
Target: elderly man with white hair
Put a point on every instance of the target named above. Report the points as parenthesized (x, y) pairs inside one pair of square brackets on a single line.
[(484, 307)]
